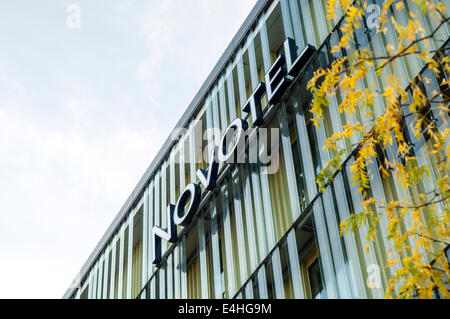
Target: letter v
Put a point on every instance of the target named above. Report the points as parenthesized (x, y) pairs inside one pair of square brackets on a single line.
[(209, 178)]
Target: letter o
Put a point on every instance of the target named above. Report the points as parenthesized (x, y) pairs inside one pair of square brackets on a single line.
[(240, 126), (181, 216)]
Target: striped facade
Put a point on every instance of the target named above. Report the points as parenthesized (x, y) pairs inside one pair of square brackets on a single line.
[(259, 235)]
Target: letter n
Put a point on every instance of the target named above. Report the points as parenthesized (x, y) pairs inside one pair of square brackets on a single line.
[(169, 234)]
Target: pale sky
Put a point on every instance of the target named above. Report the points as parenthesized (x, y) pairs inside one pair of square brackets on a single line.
[(83, 111)]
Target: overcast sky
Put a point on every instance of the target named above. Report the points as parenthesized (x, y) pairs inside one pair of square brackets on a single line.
[(83, 111)]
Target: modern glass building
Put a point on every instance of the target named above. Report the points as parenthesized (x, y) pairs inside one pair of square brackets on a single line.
[(258, 234)]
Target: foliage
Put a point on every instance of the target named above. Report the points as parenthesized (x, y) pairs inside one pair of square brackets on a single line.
[(418, 225)]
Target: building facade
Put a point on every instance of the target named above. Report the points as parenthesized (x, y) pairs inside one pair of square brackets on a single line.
[(258, 234)]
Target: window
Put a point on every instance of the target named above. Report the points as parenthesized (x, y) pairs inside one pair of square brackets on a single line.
[(255, 287), (296, 154), (315, 280), (313, 276), (84, 293), (275, 33), (269, 278), (313, 143)]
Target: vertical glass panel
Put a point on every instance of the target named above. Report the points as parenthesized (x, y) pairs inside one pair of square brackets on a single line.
[(314, 284), (354, 251), (121, 272), (248, 291), (236, 94), (279, 191), (230, 92), (286, 271), (94, 281), (249, 223), (216, 251), (223, 104), (169, 276), (315, 279), (137, 258), (259, 59), (106, 277), (151, 222), (277, 274), (337, 245), (269, 280), (210, 267), (216, 113), (187, 160), (89, 286), (255, 288), (183, 259), (114, 268), (369, 256), (145, 235), (286, 17), (262, 234), (242, 242), (193, 265), (177, 272), (318, 20), (265, 47), (313, 144), (193, 278), (163, 281), (294, 265), (157, 281), (247, 75), (296, 156), (308, 22), (275, 33), (262, 283), (326, 257), (124, 263), (289, 163), (204, 280), (229, 234), (129, 259), (297, 23), (101, 273)]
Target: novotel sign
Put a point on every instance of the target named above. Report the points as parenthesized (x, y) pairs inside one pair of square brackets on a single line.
[(277, 80)]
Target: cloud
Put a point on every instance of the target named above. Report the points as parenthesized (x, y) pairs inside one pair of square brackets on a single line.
[(82, 115), (59, 190), (184, 42)]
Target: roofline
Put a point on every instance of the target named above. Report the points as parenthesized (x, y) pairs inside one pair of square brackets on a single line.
[(193, 107)]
